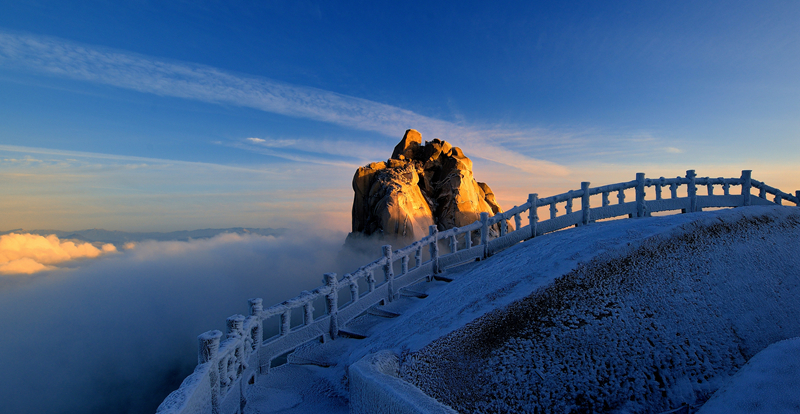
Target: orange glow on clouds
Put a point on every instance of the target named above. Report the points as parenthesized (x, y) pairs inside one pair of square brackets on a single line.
[(31, 253)]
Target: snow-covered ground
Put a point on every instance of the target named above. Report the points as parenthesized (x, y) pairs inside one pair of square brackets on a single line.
[(628, 316), (768, 384)]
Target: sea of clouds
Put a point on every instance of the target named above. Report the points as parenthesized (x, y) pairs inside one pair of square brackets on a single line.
[(115, 330), (25, 253)]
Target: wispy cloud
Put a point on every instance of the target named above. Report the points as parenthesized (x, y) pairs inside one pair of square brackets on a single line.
[(340, 153), (60, 58), (129, 161)]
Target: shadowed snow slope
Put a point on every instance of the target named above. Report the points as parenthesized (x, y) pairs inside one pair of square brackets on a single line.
[(630, 316), (768, 384)]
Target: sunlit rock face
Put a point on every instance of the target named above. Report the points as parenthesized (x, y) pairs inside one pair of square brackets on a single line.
[(420, 185)]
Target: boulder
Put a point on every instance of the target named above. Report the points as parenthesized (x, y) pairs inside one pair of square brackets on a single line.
[(420, 185)]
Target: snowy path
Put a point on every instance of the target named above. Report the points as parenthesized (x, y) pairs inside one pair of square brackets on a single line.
[(477, 289)]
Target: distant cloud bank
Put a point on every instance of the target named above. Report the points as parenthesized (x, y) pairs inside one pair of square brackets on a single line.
[(30, 253)]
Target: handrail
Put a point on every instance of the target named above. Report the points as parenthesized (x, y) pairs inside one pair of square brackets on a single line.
[(225, 366)]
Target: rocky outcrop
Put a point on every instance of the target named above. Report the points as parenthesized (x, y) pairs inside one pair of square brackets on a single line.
[(420, 185)]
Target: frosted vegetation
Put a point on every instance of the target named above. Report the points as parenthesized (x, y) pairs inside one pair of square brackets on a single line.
[(658, 325)]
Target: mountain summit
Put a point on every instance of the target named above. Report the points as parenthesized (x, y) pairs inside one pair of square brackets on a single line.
[(420, 185)]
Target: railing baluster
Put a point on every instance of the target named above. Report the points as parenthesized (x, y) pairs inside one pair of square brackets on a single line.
[(661, 183), (553, 210), (673, 189), (468, 239), (621, 196), (517, 221), (404, 265), (568, 207), (710, 188), (606, 203), (453, 243), (726, 187)]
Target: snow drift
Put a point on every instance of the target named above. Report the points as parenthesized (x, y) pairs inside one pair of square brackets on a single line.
[(645, 328)]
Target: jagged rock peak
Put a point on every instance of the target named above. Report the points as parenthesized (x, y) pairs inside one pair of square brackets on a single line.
[(420, 185)]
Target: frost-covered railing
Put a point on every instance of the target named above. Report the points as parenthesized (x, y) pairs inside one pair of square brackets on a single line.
[(226, 367)]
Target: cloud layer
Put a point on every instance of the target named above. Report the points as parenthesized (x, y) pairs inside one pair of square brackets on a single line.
[(30, 253), (117, 335)]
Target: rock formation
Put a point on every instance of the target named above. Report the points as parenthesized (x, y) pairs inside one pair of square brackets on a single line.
[(418, 186)]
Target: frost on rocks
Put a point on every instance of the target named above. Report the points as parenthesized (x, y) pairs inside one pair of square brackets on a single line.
[(661, 325)]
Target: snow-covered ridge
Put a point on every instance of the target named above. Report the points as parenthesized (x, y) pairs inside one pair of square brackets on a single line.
[(229, 367), (658, 323)]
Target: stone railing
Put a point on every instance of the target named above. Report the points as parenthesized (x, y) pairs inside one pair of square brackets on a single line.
[(227, 367)]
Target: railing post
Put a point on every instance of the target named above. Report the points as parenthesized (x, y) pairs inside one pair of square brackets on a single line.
[(640, 206), (485, 233), (234, 325), (388, 270), (533, 214), (255, 307), (433, 233), (797, 198), (585, 202), (746, 185), (208, 347), (692, 190), (332, 302)]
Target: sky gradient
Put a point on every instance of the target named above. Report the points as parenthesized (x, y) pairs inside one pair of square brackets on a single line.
[(161, 116)]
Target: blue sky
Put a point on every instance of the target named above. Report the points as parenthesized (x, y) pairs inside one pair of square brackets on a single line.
[(165, 116)]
